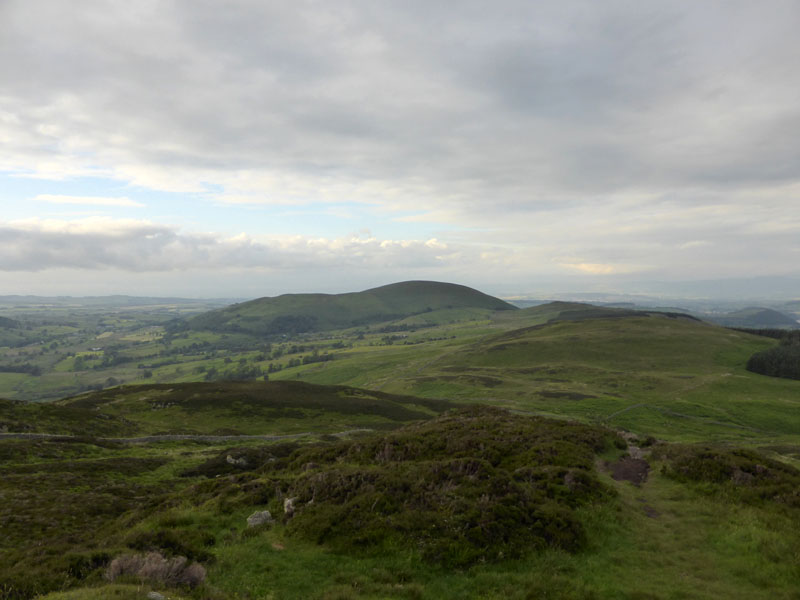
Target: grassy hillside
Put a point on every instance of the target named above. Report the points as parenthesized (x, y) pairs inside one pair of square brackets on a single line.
[(220, 408), (430, 511), (27, 417), (295, 313), (669, 377), (552, 312), (665, 375)]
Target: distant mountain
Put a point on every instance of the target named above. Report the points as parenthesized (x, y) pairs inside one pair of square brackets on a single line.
[(755, 317), (578, 311), (298, 313)]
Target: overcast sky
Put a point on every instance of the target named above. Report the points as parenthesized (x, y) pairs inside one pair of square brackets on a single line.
[(251, 148)]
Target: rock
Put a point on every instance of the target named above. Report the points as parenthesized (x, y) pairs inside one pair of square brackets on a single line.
[(288, 506), (740, 477), (238, 462), (260, 517), (155, 596)]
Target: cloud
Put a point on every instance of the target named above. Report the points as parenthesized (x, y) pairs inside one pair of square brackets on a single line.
[(521, 99), (88, 200), (100, 243), (592, 268), (694, 244), (618, 134)]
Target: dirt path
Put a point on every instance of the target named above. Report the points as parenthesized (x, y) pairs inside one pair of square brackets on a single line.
[(630, 469)]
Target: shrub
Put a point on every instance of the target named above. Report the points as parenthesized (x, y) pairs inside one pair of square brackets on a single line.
[(744, 475), (474, 485)]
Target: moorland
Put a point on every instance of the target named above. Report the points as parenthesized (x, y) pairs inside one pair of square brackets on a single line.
[(419, 440)]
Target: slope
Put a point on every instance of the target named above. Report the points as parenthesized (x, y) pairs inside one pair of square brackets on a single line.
[(660, 374), (249, 408), (477, 503), (667, 376)]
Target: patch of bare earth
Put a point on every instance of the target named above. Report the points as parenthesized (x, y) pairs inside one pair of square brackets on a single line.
[(630, 469)]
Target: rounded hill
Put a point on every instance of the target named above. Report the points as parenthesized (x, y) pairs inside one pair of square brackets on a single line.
[(298, 313)]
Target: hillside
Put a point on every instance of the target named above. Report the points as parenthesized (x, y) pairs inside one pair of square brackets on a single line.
[(297, 313), (673, 377), (661, 374), (217, 409), (475, 503), (552, 312), (224, 408)]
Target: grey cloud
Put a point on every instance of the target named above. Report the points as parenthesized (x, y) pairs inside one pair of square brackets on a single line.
[(500, 113), (145, 247)]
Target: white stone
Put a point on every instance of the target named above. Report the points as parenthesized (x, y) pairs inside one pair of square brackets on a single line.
[(259, 518)]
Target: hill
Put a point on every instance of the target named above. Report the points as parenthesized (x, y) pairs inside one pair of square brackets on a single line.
[(217, 409), (226, 408), (755, 317), (298, 313), (663, 374), (552, 312), (669, 376)]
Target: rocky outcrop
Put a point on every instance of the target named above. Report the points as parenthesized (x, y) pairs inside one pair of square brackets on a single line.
[(260, 517)]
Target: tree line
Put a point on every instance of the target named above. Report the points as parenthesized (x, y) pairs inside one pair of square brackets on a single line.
[(782, 360)]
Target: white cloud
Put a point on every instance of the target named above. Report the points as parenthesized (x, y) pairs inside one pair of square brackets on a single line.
[(592, 268), (88, 200)]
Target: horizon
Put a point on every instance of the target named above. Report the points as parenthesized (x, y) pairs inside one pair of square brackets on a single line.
[(199, 151), (691, 294)]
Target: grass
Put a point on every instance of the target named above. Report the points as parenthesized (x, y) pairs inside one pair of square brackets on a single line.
[(682, 534), (652, 375), (115, 591)]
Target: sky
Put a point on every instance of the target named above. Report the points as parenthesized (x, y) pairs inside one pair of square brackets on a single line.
[(251, 148)]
